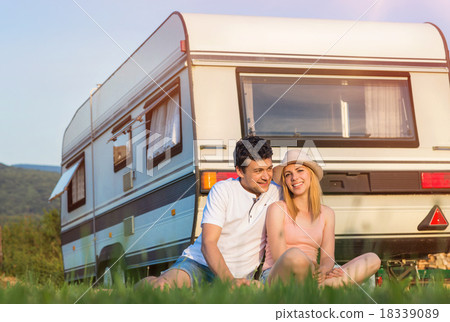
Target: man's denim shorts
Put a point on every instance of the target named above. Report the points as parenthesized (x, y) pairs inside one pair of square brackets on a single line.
[(198, 273)]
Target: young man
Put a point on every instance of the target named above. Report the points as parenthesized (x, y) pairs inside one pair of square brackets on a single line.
[(232, 241)]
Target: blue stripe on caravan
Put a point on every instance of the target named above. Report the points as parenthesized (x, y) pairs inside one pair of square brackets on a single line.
[(147, 257), (80, 273), (136, 207)]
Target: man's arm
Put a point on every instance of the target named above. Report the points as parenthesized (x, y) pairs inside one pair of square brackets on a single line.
[(213, 256)]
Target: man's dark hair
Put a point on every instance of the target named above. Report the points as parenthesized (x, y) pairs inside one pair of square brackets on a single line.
[(251, 148)]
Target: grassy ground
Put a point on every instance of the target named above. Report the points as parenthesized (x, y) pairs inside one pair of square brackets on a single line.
[(217, 293)]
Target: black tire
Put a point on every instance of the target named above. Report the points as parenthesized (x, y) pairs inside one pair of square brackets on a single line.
[(111, 273)]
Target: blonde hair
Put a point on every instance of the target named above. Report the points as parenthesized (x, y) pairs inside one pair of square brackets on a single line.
[(314, 196)]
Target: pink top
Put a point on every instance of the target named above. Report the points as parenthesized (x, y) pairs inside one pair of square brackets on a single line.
[(308, 238)]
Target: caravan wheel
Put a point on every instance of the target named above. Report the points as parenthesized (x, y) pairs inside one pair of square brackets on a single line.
[(112, 275)]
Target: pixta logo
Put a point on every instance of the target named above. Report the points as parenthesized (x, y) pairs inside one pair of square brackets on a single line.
[(146, 146)]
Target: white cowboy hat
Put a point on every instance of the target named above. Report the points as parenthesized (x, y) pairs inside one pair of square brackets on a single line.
[(297, 157)]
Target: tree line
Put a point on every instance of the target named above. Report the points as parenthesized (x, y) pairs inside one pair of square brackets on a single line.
[(25, 192)]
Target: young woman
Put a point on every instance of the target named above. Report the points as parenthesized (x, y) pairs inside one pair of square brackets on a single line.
[(299, 225)]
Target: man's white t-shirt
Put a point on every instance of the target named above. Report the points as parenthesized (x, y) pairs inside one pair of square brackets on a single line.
[(241, 215)]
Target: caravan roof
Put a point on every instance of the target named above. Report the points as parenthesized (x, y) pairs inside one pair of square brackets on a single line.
[(317, 37)]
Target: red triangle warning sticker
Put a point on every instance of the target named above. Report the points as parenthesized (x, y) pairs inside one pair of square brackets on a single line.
[(438, 218), (435, 220)]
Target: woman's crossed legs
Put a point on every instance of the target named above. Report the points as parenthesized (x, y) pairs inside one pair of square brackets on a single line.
[(296, 263)]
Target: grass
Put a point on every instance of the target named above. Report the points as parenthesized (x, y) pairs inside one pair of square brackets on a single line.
[(27, 292)]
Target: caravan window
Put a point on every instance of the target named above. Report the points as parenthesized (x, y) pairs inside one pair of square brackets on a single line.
[(122, 153), (329, 109), (164, 128), (76, 196)]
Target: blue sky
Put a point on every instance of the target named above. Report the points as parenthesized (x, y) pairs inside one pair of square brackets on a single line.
[(52, 54)]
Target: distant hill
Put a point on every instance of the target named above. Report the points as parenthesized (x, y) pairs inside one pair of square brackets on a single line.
[(25, 192), (49, 168)]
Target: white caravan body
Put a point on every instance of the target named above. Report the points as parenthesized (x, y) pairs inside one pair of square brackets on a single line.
[(370, 101)]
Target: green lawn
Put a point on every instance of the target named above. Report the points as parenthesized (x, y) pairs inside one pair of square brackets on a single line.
[(217, 293)]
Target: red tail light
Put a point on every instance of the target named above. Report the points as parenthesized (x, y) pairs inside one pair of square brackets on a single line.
[(209, 178), (435, 180)]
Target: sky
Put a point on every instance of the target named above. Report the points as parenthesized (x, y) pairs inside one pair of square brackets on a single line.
[(52, 54)]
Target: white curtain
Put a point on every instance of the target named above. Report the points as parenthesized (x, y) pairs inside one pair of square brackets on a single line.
[(248, 98), (384, 111), (172, 133), (157, 131), (165, 131), (78, 184)]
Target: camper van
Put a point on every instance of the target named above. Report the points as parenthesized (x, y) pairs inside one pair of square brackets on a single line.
[(370, 101)]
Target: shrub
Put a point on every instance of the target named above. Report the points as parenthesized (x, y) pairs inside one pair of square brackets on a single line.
[(32, 248)]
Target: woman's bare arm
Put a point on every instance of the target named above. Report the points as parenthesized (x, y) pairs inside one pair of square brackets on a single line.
[(328, 241), (275, 229)]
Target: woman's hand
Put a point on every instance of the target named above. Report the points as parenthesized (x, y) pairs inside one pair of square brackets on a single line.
[(335, 272), (323, 273), (320, 275)]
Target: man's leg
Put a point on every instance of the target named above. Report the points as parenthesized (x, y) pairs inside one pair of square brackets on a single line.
[(181, 274), (173, 277)]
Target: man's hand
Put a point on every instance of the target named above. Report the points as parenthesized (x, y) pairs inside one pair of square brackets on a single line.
[(238, 282)]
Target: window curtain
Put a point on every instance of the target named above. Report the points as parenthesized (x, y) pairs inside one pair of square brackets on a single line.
[(165, 130), (249, 108), (78, 185), (172, 134), (384, 113), (157, 131)]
